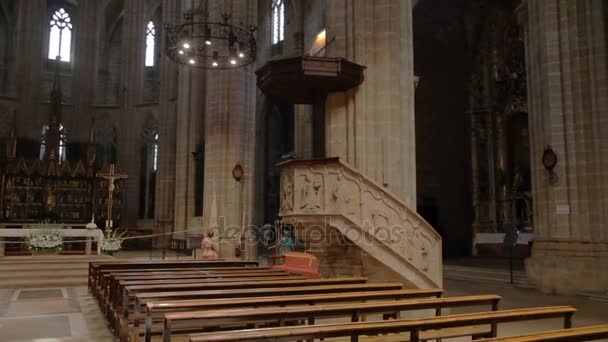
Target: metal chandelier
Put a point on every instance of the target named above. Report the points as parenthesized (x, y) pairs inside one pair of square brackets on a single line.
[(210, 45)]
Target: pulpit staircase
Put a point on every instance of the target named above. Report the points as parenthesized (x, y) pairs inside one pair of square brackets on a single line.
[(323, 198)]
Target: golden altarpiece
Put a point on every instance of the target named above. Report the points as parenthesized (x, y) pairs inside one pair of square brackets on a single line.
[(51, 189)]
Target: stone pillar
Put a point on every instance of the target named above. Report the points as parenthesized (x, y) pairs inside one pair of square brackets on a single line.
[(165, 177), (501, 166), (567, 60), (189, 127), (130, 139), (229, 138), (372, 130), (84, 76), (475, 172), (31, 24)]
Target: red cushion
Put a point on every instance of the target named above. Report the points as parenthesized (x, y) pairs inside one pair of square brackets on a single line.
[(303, 263)]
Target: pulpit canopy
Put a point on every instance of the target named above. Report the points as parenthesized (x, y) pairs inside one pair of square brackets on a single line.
[(306, 79)]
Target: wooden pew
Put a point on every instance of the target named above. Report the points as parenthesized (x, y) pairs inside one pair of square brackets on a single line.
[(141, 299), (412, 326), (95, 267), (115, 284), (590, 333), (107, 276), (156, 310), (214, 319), (121, 303), (197, 273), (120, 306)]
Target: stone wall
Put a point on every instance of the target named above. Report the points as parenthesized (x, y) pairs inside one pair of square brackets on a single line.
[(567, 58)]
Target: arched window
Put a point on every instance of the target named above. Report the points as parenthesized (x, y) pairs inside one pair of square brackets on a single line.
[(60, 35), (149, 168), (278, 21), (150, 42), (62, 142), (155, 153)]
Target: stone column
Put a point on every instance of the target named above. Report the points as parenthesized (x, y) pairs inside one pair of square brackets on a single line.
[(130, 138), (165, 177), (370, 129), (229, 137), (189, 128), (84, 76), (501, 165), (567, 60), (29, 37), (475, 191)]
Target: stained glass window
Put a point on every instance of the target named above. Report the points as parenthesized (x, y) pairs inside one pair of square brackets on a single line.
[(150, 41), (278, 21), (60, 35)]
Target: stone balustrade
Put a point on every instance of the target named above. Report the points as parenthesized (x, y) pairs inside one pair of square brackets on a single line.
[(329, 193)]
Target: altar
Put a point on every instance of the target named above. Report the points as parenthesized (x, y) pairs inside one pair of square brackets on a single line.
[(89, 235)]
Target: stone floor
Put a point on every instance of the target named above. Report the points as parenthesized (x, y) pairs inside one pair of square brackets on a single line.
[(70, 314), (50, 315)]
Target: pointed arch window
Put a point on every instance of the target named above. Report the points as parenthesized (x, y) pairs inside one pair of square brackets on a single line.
[(149, 169), (278, 21), (150, 43), (60, 35), (63, 139), (155, 153)]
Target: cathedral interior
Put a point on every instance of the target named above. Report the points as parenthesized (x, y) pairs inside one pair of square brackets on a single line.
[(444, 144)]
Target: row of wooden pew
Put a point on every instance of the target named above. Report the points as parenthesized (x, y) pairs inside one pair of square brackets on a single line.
[(238, 301)]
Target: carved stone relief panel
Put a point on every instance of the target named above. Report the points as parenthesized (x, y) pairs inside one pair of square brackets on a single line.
[(287, 187), (309, 190), (344, 196)]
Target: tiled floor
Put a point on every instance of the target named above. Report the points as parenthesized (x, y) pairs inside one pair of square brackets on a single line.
[(49, 315)]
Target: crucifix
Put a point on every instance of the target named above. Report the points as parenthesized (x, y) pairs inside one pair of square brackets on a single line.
[(110, 173)]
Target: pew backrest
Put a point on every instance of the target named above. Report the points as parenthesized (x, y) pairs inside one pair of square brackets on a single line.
[(143, 298), (589, 333), (413, 326)]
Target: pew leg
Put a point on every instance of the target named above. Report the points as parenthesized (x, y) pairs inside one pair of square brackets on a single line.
[(494, 326), (568, 321), (167, 332), (415, 335), (355, 316), (148, 323)]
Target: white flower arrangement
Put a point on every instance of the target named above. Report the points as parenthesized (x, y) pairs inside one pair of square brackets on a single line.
[(112, 241), (111, 245), (45, 240)]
